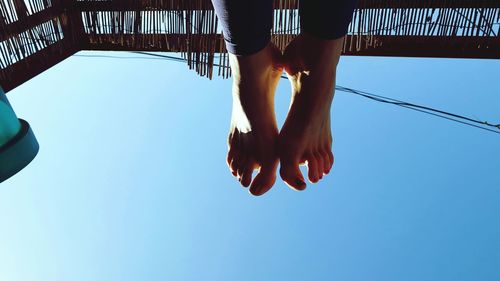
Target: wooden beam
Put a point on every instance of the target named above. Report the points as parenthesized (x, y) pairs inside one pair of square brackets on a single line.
[(392, 46), (431, 47), (72, 26), (143, 5), (154, 42), (30, 22), (29, 67), (388, 4), (57, 9), (121, 5)]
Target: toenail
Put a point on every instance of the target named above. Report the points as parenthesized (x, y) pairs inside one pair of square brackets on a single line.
[(301, 184)]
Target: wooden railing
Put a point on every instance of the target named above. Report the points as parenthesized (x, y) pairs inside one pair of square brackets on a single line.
[(34, 35)]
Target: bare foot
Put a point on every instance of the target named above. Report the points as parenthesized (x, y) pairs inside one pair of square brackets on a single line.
[(253, 132), (306, 136)]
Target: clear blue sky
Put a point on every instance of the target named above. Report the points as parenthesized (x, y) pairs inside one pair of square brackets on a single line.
[(131, 181)]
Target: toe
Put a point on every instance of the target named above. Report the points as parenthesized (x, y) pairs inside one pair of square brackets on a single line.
[(246, 177), (312, 166), (321, 167), (326, 163), (233, 167), (291, 175), (236, 164), (230, 156), (233, 145), (241, 164), (230, 160), (265, 179), (330, 157)]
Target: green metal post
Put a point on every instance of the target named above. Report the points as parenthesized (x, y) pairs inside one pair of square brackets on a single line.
[(18, 145)]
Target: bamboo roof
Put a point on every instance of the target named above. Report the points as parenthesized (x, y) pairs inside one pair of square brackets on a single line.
[(37, 34)]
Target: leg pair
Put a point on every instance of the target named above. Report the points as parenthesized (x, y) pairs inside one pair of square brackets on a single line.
[(310, 62)]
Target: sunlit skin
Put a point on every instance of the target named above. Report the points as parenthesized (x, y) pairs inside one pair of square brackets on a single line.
[(254, 141), (306, 138), (253, 132)]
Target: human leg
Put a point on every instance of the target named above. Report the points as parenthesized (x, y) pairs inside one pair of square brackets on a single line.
[(310, 62), (256, 67)]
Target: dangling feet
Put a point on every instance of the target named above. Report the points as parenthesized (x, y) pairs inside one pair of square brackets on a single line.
[(254, 132), (306, 136)]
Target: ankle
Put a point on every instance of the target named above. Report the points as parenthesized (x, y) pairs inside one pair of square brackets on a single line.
[(320, 51), (264, 61)]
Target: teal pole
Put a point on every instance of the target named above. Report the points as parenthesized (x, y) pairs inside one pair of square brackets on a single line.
[(18, 145), (9, 124)]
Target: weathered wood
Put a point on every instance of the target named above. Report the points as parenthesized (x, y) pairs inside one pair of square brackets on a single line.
[(165, 43), (72, 26), (390, 46), (126, 5), (432, 47), (30, 22), (25, 69), (404, 28)]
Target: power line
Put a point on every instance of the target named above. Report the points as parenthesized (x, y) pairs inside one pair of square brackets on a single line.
[(116, 57), (427, 110), (484, 125)]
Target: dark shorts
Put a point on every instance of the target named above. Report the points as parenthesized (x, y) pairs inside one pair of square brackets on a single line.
[(247, 24)]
